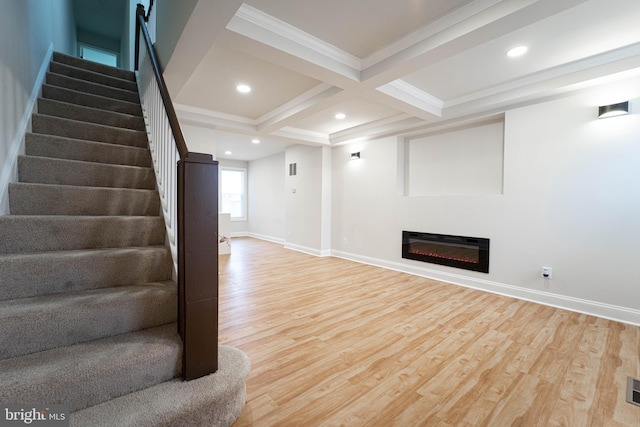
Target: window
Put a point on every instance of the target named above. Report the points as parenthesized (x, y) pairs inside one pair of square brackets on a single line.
[(99, 55), (232, 193)]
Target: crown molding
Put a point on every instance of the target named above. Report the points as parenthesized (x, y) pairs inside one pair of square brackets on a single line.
[(257, 25), (453, 126), (298, 104), (375, 129), (430, 29), (564, 77), (214, 119), (409, 94), (302, 135), (480, 21)]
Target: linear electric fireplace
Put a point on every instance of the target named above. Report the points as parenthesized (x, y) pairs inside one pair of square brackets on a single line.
[(470, 253)]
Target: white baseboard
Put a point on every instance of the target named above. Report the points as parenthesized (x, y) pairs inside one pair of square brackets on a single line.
[(579, 305), (293, 247), (306, 250), (9, 172), (266, 238), (594, 308)]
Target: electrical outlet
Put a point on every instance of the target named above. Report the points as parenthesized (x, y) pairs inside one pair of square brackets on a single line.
[(547, 272)]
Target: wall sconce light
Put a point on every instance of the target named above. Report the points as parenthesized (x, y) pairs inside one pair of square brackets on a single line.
[(355, 156), (613, 110)]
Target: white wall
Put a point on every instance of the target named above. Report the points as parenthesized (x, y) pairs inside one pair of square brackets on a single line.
[(171, 16), (573, 191), (466, 161), (29, 29), (63, 26), (325, 202), (199, 139), (366, 213), (571, 201), (304, 199), (266, 198)]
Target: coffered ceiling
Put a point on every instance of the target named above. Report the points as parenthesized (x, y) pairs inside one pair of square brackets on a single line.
[(393, 67)]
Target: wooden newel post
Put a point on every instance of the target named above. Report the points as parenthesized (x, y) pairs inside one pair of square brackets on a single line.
[(198, 263)]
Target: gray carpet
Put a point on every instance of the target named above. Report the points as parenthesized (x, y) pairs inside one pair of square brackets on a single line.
[(87, 302), (214, 400)]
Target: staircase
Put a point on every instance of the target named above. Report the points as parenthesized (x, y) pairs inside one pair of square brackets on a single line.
[(87, 304)]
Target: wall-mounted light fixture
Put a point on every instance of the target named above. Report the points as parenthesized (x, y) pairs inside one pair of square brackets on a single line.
[(355, 156), (613, 110)]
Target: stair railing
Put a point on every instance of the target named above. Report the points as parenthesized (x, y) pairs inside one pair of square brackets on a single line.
[(188, 187)]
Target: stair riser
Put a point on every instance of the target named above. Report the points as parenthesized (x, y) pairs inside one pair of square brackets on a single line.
[(52, 233), (92, 76), (36, 199), (87, 374), (85, 276), (28, 275), (53, 321), (91, 115), (89, 151), (79, 130), (93, 66), (89, 100), (92, 88), (46, 170)]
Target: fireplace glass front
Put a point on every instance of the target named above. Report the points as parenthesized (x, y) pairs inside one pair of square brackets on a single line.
[(469, 253)]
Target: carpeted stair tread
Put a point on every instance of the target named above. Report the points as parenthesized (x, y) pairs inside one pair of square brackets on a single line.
[(90, 87), (25, 275), (74, 61), (59, 147), (47, 170), (92, 76), (85, 274), (90, 373), (214, 400), (51, 107), (71, 318), (90, 100), (31, 233), (51, 199), (89, 131)]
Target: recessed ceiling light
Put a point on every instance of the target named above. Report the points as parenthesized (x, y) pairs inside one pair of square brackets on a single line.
[(228, 152), (255, 141), (243, 88), (340, 116), (517, 51)]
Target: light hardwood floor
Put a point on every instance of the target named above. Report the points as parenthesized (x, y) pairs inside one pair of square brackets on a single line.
[(334, 342)]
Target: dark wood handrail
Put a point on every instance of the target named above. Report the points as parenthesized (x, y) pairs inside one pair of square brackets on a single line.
[(146, 18), (197, 231), (141, 27)]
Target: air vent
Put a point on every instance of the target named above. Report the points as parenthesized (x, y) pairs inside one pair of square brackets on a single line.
[(633, 391)]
